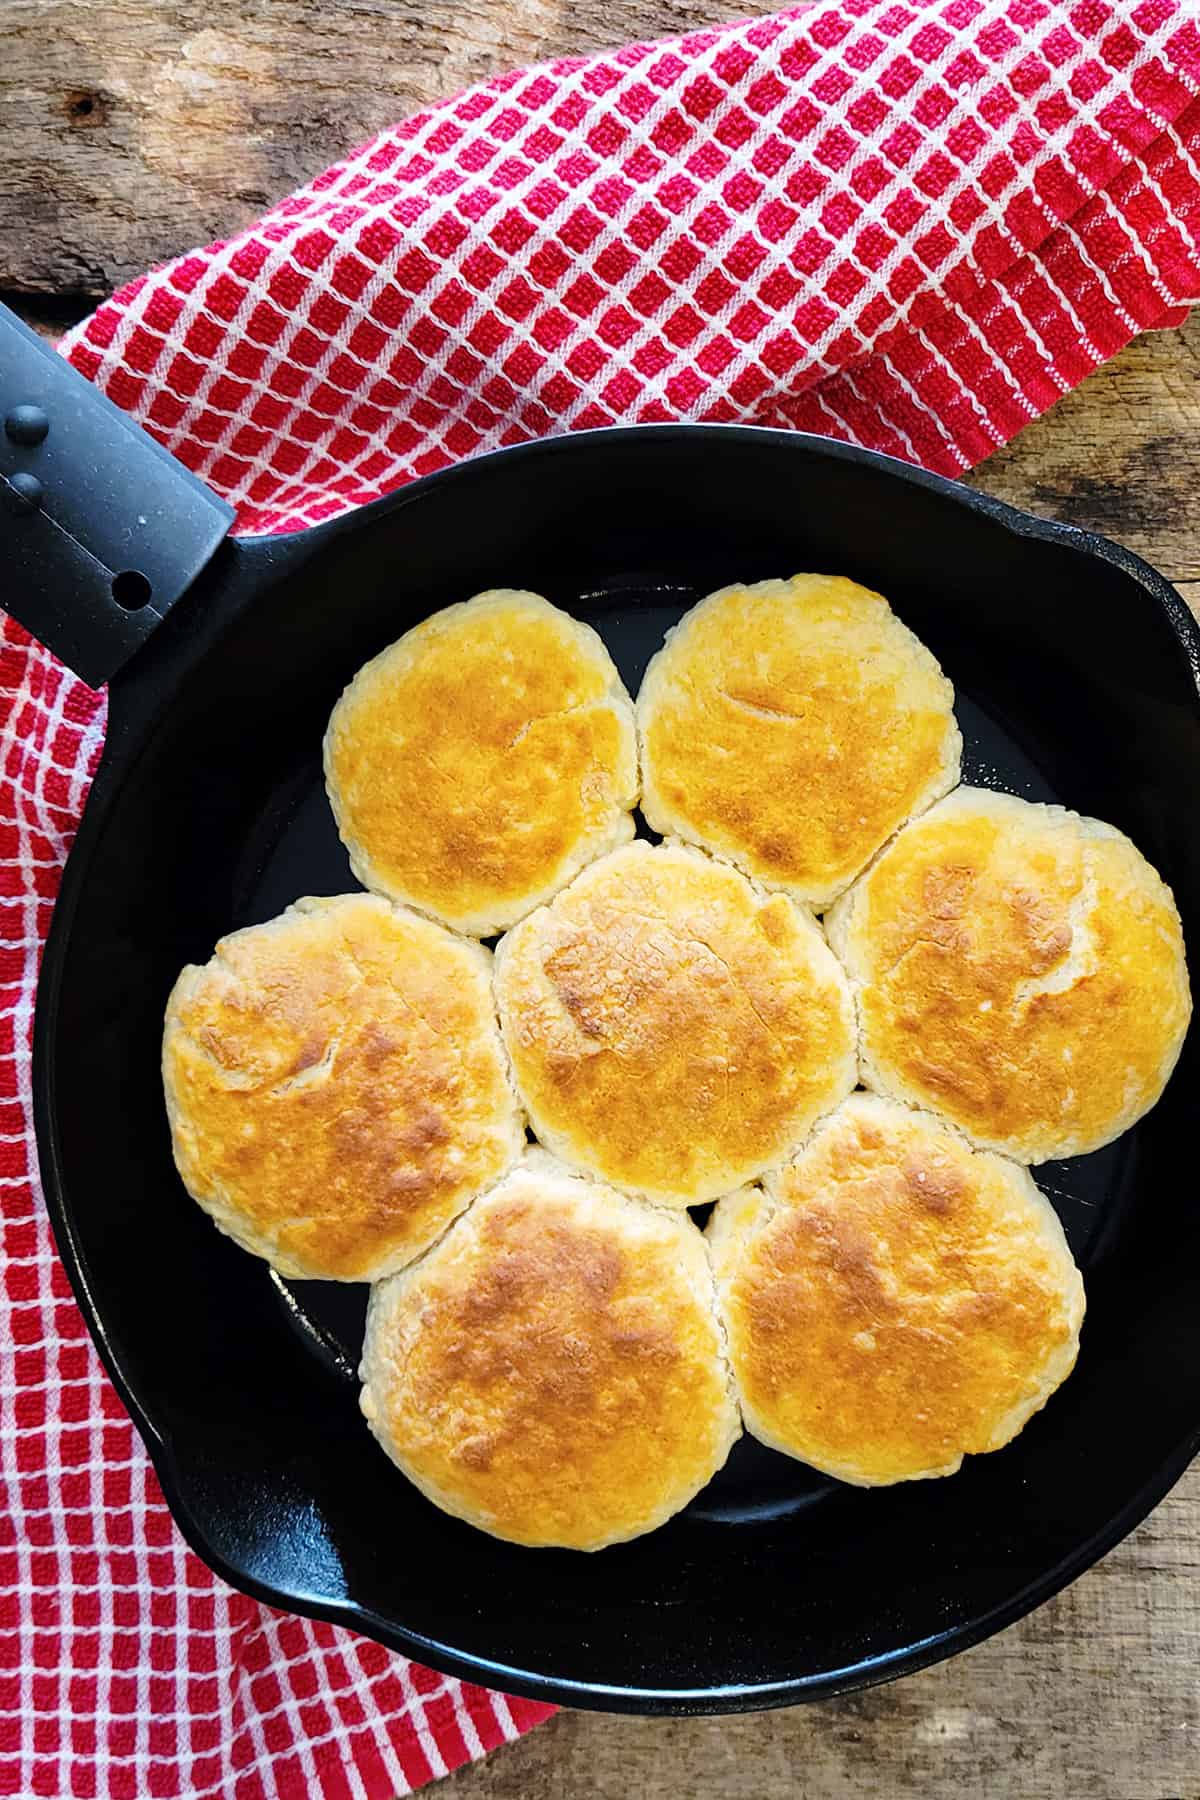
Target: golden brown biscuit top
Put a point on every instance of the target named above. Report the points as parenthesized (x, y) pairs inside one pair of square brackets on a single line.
[(671, 1027), (1022, 971), (552, 1369), (793, 725), (337, 1087), (475, 765), (899, 1300)]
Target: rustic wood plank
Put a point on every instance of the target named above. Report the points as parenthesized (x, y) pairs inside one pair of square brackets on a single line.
[(1121, 455), (137, 128)]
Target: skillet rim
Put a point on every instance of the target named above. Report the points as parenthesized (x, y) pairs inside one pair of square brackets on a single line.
[(128, 728)]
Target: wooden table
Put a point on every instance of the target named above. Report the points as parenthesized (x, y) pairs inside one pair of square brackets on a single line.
[(134, 128)]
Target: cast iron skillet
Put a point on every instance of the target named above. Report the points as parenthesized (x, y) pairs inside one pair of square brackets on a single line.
[(1077, 673)]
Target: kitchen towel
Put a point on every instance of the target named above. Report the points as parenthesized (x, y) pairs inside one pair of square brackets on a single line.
[(911, 225)]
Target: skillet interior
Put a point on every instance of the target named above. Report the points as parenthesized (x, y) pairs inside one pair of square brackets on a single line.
[(1076, 674)]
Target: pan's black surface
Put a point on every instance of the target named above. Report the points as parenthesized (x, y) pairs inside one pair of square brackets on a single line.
[(1077, 674)]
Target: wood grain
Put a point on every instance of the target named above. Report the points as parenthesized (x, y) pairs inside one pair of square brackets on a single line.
[(135, 128), (1121, 455)]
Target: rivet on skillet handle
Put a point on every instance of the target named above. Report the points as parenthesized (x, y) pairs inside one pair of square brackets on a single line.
[(101, 530)]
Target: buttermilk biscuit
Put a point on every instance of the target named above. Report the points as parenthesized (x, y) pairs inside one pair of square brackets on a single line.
[(1019, 969), (793, 726), (336, 1086), (552, 1370), (482, 760), (895, 1300), (671, 1027)]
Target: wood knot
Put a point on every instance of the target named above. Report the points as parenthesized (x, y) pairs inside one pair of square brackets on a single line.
[(84, 106)]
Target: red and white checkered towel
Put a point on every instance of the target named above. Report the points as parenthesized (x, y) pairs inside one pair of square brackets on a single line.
[(910, 223)]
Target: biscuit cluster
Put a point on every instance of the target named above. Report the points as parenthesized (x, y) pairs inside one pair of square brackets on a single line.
[(844, 998)]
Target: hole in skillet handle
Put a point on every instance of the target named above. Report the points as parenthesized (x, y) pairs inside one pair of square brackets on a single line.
[(131, 590)]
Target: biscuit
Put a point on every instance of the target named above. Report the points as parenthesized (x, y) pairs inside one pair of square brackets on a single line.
[(793, 726), (482, 760), (336, 1086), (552, 1370), (895, 1300), (1020, 970), (672, 1028)]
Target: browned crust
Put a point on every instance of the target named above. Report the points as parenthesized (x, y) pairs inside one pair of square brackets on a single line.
[(337, 1087), (478, 763), (793, 726), (673, 1029), (1020, 970), (552, 1370), (895, 1300)]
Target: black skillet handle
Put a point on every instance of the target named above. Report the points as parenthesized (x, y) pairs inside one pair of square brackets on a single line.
[(101, 530)]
